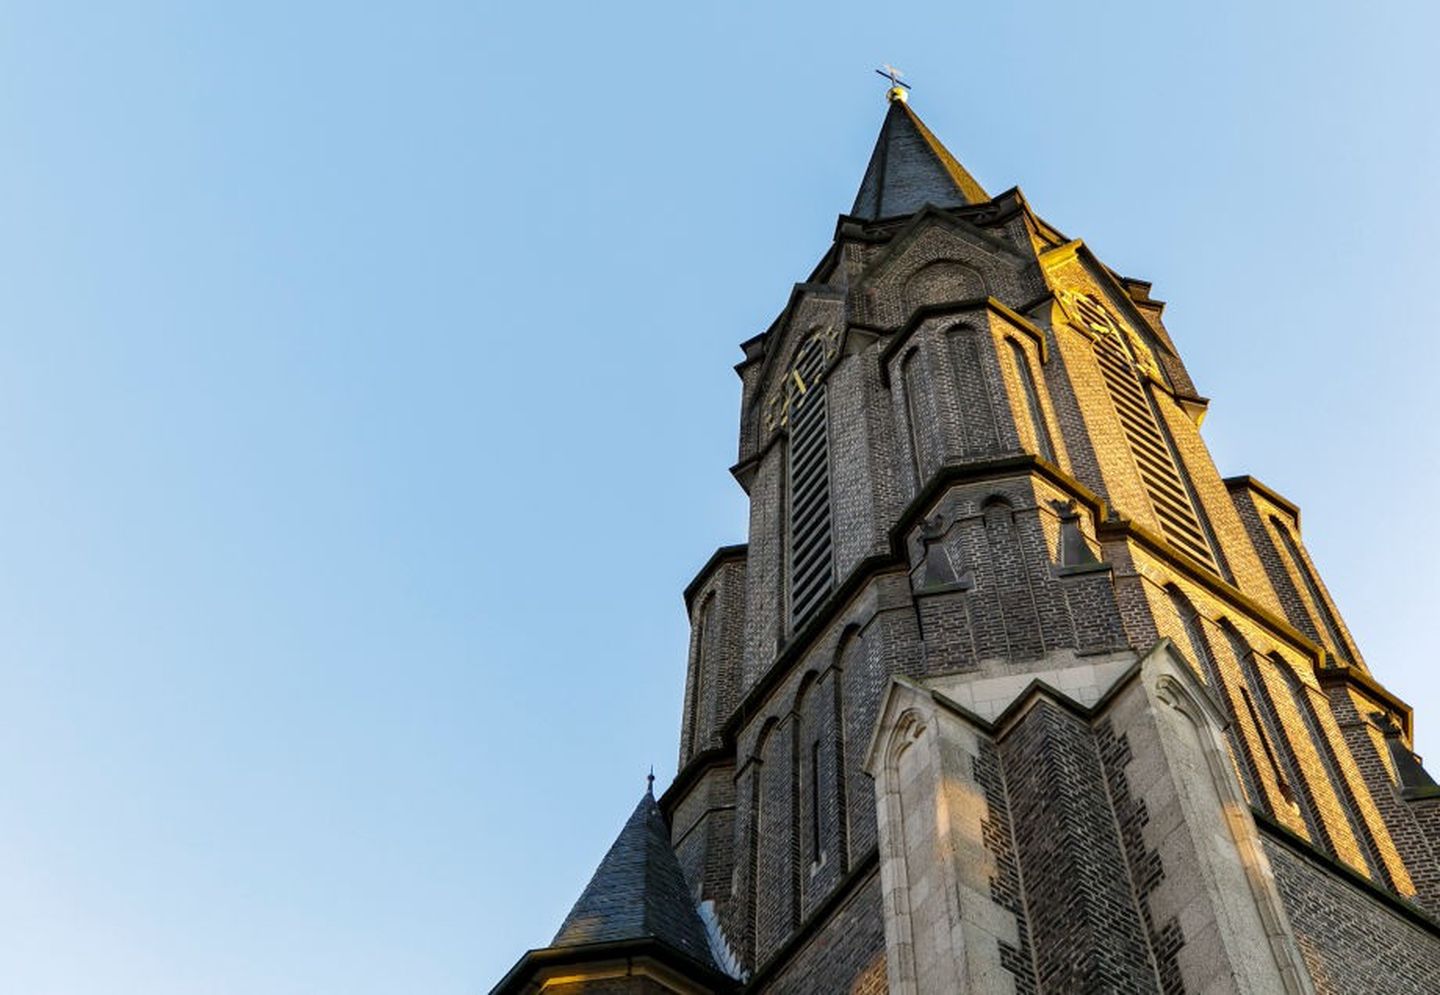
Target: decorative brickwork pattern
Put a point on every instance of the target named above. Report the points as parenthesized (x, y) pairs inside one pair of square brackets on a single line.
[(1005, 886), (1087, 932), (1146, 873)]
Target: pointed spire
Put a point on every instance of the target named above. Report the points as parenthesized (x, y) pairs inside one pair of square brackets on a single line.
[(910, 168), (639, 892)]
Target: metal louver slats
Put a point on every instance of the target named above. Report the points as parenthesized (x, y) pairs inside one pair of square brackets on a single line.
[(1165, 487), (811, 564)]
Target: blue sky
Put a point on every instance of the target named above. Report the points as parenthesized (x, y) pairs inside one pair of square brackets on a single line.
[(366, 402)]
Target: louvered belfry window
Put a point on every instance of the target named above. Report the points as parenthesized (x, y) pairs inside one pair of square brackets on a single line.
[(811, 554), (1165, 483)]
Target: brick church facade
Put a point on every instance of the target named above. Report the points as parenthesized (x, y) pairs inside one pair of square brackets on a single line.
[(1009, 690)]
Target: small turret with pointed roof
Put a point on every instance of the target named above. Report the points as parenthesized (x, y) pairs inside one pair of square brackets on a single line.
[(636, 906), (910, 168), (638, 891)]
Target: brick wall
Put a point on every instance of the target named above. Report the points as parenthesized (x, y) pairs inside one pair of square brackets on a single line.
[(1351, 942), (1087, 932), (847, 955)]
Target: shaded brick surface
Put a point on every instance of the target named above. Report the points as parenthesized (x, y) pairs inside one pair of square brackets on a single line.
[(846, 955), (1351, 943), (1088, 934)]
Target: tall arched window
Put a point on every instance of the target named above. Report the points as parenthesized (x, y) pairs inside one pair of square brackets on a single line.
[(1240, 753), (1038, 427), (772, 841), (910, 383), (1127, 368), (846, 656), (1278, 752), (699, 721), (974, 407), (1300, 568), (811, 561)]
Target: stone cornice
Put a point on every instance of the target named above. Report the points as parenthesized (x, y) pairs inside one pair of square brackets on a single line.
[(1270, 494), (695, 768), (1355, 677), (1000, 208), (724, 554), (622, 958), (902, 335), (1106, 528)]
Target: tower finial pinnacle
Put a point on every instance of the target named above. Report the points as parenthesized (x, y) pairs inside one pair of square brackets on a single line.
[(650, 781), (898, 90)]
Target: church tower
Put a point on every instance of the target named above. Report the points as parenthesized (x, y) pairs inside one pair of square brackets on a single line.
[(1009, 690)]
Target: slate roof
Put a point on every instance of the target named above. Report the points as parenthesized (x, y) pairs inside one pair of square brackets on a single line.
[(639, 892), (909, 169)]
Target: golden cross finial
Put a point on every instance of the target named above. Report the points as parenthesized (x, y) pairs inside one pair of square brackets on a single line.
[(899, 90)]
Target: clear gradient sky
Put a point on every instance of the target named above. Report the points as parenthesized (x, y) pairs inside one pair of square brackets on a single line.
[(366, 402)]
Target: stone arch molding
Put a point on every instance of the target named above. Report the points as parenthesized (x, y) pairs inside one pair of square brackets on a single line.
[(943, 281), (944, 931), (984, 265), (907, 733)]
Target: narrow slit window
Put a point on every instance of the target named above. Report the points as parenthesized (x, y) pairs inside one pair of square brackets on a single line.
[(1200, 646), (1299, 567), (910, 379), (815, 801)]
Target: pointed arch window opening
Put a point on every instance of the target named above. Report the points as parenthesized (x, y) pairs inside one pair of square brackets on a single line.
[(817, 851), (796, 885), (841, 785), (1282, 781), (1197, 506), (754, 858), (1300, 567), (1099, 322), (910, 384), (1359, 831), (1127, 373), (1038, 426), (697, 687), (811, 551), (1278, 749), (1240, 750)]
